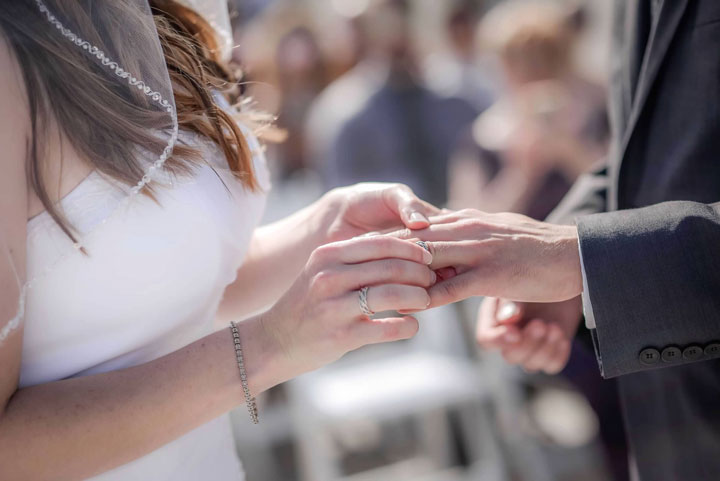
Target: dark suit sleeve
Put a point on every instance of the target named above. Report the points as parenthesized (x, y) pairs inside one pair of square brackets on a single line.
[(653, 277)]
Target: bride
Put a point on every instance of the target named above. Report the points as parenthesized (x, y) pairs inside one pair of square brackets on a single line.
[(130, 192)]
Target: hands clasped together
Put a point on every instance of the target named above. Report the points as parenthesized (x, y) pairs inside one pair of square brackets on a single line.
[(469, 253)]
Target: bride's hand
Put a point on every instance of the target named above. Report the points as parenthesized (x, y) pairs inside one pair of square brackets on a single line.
[(320, 319), (368, 207)]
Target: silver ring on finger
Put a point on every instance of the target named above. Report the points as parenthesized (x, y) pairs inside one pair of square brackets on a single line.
[(363, 298), (424, 245)]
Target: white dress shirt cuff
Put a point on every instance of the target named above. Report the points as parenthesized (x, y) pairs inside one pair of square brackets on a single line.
[(587, 306)]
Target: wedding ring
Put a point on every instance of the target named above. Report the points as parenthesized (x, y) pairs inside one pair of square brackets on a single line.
[(362, 297), (424, 245)]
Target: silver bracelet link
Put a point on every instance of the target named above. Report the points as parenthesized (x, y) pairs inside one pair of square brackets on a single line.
[(249, 400)]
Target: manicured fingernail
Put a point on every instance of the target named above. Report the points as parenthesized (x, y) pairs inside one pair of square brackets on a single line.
[(433, 277), (512, 337), (427, 257), (418, 217), (507, 311)]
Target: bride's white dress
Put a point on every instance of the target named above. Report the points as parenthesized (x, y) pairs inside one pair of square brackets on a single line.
[(151, 285)]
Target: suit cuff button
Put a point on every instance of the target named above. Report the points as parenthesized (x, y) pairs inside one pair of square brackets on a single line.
[(692, 353), (671, 354), (649, 356), (712, 350)]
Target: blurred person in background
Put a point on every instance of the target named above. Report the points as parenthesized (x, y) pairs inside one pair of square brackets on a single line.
[(633, 245), (549, 125), (524, 153), (342, 99), (301, 77), (460, 71), (403, 132)]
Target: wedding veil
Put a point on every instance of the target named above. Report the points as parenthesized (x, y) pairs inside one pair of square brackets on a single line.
[(117, 50)]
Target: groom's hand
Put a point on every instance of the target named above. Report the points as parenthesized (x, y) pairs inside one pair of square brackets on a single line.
[(509, 256), (535, 336)]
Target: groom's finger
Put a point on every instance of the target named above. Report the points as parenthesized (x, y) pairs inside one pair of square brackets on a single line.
[(533, 337), (545, 353), (490, 334), (451, 254), (452, 290), (560, 357)]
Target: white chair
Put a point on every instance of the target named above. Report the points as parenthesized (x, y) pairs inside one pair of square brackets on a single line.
[(421, 380)]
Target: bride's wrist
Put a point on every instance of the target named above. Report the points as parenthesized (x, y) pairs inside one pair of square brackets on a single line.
[(263, 354)]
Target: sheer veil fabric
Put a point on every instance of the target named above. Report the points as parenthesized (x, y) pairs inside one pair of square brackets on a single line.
[(217, 14), (125, 51), (145, 275)]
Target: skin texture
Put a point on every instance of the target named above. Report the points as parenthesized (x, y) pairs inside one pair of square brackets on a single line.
[(512, 257), (79, 427), (500, 255), (283, 247), (536, 336)]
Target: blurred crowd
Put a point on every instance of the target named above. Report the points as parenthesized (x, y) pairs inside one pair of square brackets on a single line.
[(494, 105), (470, 106)]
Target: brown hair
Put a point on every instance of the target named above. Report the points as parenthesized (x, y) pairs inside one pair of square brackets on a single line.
[(106, 121), (530, 36)]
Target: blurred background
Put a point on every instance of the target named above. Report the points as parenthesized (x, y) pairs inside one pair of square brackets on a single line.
[(495, 105)]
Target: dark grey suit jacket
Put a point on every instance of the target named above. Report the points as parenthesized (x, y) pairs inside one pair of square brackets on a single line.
[(652, 256)]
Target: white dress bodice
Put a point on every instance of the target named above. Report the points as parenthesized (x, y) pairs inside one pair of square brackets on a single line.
[(151, 284)]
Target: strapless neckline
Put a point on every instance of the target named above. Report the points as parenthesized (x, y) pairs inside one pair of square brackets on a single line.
[(75, 191)]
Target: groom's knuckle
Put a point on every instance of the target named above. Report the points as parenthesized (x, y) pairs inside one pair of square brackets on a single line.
[(452, 289), (467, 213)]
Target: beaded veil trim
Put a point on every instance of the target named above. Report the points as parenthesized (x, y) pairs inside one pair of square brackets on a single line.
[(134, 82)]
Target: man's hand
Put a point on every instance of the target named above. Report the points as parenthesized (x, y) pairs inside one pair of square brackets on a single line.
[(536, 336), (510, 256)]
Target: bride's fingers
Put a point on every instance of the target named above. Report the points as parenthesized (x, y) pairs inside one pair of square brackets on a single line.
[(363, 249), (387, 297), (373, 331), (413, 211), (387, 271)]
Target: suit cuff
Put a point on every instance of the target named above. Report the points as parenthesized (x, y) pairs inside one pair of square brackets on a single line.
[(587, 305), (653, 279)]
